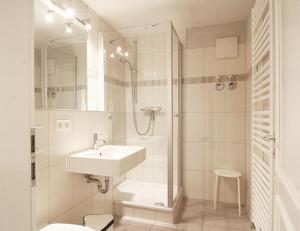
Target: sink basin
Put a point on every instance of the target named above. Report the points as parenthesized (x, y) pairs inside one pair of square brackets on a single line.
[(108, 160)]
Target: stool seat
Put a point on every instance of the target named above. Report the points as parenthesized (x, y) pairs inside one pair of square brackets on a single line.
[(227, 173), (230, 173)]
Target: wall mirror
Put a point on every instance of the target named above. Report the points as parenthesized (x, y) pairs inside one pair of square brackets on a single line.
[(67, 60)]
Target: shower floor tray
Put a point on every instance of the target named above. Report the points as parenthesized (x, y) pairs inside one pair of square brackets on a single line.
[(142, 193)]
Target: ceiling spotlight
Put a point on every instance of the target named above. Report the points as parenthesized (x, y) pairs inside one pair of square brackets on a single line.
[(112, 55), (119, 49), (68, 28), (126, 54), (49, 16), (69, 13), (88, 25)]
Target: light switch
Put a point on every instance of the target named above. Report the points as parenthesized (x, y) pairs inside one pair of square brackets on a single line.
[(63, 125)]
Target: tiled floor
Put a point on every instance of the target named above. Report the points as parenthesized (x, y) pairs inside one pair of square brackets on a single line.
[(197, 216)]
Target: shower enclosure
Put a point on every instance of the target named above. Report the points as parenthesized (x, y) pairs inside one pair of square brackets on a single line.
[(152, 61)]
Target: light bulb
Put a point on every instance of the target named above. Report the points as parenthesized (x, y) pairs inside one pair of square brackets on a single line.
[(88, 26), (112, 55), (69, 13), (119, 49), (126, 54), (49, 16), (68, 28)]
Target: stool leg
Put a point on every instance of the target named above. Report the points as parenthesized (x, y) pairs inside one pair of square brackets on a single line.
[(239, 194), (216, 192)]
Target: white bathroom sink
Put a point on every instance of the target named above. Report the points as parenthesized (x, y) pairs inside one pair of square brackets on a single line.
[(108, 160)]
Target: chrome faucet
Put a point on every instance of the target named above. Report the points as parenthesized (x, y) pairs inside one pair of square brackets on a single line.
[(98, 142)]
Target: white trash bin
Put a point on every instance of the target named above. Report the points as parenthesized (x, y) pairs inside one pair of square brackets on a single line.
[(99, 222)]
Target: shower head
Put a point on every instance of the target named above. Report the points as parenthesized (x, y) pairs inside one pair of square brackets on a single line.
[(124, 60)]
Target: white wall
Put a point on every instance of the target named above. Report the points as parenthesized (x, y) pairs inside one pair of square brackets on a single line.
[(16, 89), (62, 196), (287, 181), (214, 122)]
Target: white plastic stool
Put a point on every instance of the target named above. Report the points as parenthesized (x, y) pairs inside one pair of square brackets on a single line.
[(229, 174)]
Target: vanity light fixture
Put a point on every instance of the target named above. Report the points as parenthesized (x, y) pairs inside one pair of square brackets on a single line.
[(49, 16), (126, 54), (68, 28), (119, 49), (69, 13), (112, 55)]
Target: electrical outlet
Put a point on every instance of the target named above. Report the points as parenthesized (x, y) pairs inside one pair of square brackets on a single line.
[(63, 125)]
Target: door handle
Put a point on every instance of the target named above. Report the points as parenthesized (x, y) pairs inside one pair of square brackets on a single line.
[(269, 138)]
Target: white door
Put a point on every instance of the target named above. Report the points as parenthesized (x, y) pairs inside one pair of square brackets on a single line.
[(16, 103), (287, 116)]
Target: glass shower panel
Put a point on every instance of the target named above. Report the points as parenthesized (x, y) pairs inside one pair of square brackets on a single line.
[(146, 90), (60, 73), (176, 98)]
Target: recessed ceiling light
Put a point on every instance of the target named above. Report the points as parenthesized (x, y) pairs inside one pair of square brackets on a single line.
[(69, 13)]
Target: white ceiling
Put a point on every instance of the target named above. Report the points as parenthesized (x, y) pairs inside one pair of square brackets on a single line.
[(184, 13)]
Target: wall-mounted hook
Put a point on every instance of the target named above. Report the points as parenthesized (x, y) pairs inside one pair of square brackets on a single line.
[(219, 84)]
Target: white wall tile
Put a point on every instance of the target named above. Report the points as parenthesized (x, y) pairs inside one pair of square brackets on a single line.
[(65, 218), (214, 66), (196, 60), (159, 97), (193, 184), (81, 210), (193, 156), (82, 189), (159, 42), (215, 99), (194, 124), (144, 66), (215, 127), (236, 127), (159, 66), (195, 97), (236, 157), (144, 44), (61, 190), (82, 136), (215, 156), (98, 203), (42, 197), (236, 99)]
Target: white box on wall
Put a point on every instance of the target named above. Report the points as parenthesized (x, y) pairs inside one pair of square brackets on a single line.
[(227, 47)]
